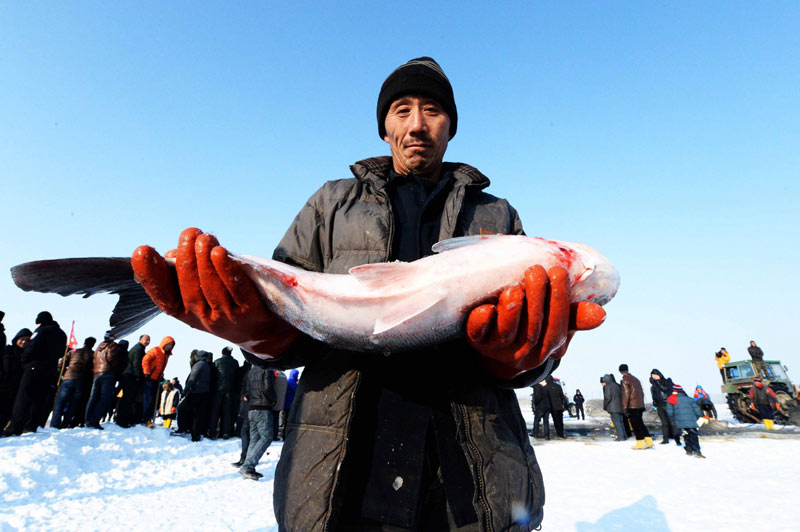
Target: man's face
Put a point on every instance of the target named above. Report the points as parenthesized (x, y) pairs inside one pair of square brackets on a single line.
[(656, 376), (417, 131), (752, 344), (168, 347), (22, 341), (145, 340)]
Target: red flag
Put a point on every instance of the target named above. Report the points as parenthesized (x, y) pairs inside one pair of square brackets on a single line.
[(73, 342)]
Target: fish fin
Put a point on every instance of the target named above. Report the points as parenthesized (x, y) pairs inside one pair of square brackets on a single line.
[(407, 309), (89, 276), (461, 241), (383, 274)]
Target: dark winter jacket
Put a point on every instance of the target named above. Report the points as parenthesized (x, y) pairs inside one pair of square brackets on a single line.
[(541, 399), (79, 364), (632, 393), (109, 359), (683, 411), (199, 380), (11, 365), (555, 394), (47, 345), (349, 223), (134, 364), (612, 395), (578, 399), (660, 389), (259, 389), (226, 373), (241, 379), (755, 352)]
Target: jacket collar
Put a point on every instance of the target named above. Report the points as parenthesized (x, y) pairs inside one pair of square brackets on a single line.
[(375, 170)]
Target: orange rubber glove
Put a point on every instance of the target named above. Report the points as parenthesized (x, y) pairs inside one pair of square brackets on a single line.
[(531, 322), (211, 293)]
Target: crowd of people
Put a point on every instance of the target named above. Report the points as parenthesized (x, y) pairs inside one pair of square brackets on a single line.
[(625, 403), (41, 378)]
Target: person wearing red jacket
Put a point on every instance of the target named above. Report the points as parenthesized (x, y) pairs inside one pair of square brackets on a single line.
[(153, 365), (763, 399)]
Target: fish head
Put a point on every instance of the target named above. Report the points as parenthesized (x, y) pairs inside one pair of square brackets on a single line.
[(599, 280)]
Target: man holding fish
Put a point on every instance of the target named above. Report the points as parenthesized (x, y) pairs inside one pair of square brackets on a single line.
[(426, 439)]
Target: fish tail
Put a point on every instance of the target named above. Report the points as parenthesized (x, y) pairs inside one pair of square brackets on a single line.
[(89, 276)]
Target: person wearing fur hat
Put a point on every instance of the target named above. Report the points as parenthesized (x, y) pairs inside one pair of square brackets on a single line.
[(764, 400), (685, 413)]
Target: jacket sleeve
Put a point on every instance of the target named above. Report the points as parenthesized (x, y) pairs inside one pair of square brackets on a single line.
[(670, 408), (626, 393), (606, 397), (698, 412)]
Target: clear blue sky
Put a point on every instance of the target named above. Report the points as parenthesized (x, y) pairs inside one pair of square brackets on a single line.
[(667, 136)]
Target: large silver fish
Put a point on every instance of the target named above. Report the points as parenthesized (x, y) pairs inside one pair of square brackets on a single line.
[(385, 307)]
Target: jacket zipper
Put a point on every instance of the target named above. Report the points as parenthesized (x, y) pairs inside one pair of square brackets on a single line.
[(487, 520)]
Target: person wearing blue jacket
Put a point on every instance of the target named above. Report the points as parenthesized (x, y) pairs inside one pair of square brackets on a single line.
[(685, 413)]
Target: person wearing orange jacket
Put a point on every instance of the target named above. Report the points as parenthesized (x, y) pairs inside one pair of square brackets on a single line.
[(153, 365)]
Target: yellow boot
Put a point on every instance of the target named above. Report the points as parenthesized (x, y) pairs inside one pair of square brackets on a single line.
[(648, 442), (639, 445), (768, 423)]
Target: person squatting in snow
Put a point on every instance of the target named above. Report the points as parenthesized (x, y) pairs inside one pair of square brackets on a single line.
[(371, 441)]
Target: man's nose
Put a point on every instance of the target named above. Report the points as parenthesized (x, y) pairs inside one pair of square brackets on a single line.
[(418, 121)]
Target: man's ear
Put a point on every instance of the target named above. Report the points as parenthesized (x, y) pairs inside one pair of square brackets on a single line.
[(387, 139)]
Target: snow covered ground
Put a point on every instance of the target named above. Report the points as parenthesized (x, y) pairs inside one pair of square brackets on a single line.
[(139, 479)]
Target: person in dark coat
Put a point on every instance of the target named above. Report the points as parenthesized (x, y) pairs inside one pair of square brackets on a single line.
[(661, 390), (612, 403), (242, 422), (109, 361), (198, 392), (453, 434), (2, 330), (578, 400), (758, 360), (77, 365), (555, 394), (259, 394), (11, 374), (39, 373), (176, 385), (222, 413), (633, 405), (684, 412), (541, 409), (129, 408)]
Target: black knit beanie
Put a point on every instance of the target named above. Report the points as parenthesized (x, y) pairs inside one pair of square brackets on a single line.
[(44, 318), (424, 76)]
